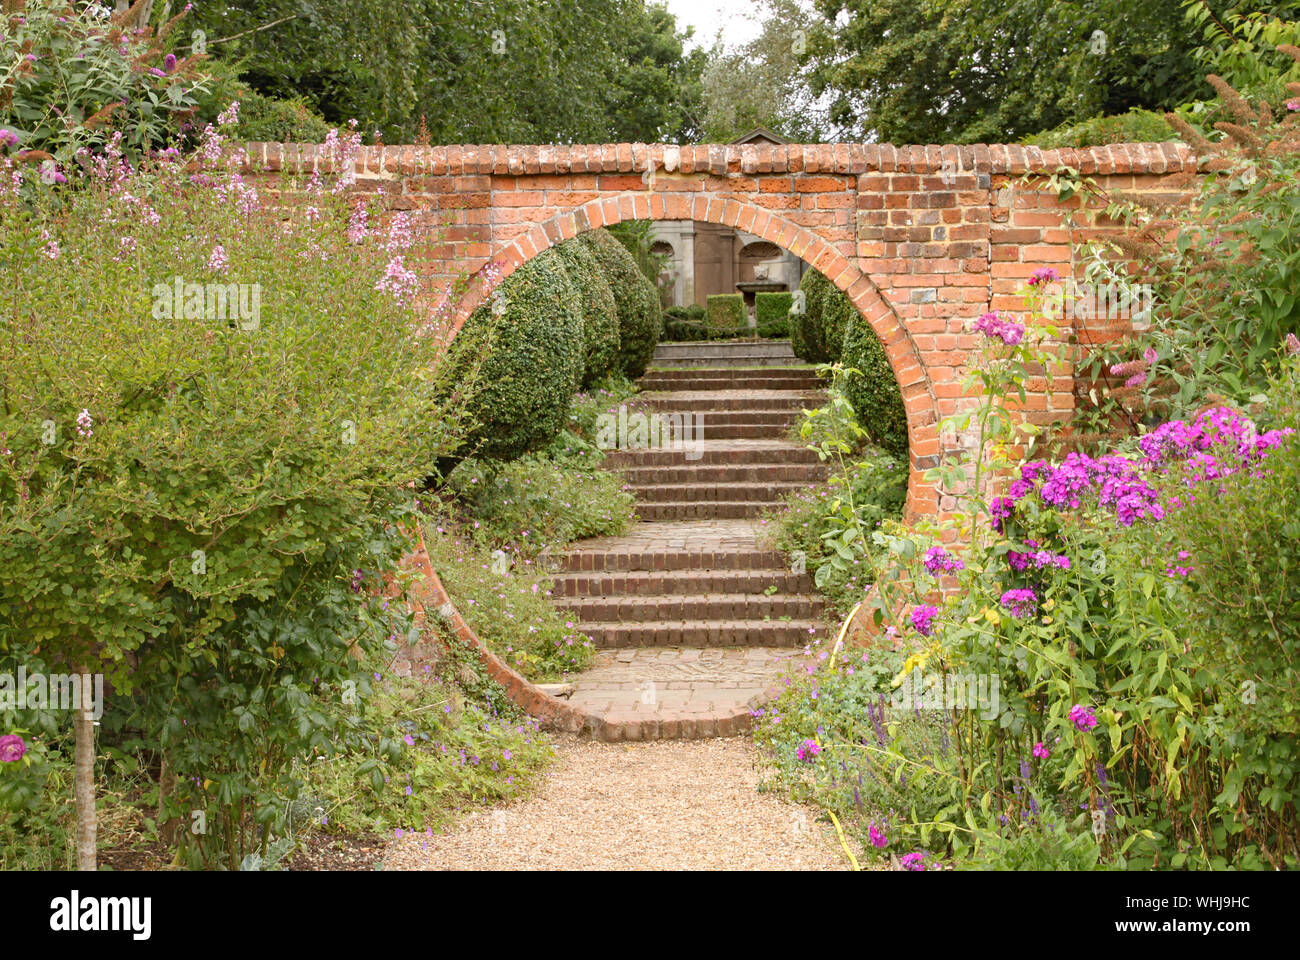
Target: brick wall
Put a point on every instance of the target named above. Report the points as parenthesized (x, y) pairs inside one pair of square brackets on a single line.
[(923, 239)]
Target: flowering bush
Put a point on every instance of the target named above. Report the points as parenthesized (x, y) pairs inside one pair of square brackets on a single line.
[(77, 75), (213, 413)]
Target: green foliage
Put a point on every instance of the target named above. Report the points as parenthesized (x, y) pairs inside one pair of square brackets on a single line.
[(640, 315), (476, 71), (203, 501), (772, 314), (599, 313), (989, 71), (762, 83), (807, 335), (67, 84), (638, 237), (873, 389), (1135, 126), (278, 121), (506, 597), (726, 311), (530, 336), (832, 525), (436, 748), (1037, 846)]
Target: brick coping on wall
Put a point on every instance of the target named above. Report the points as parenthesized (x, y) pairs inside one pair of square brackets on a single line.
[(721, 159)]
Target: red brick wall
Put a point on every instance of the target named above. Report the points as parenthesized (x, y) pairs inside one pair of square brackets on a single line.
[(923, 239)]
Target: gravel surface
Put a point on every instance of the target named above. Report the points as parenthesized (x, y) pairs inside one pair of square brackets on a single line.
[(662, 805)]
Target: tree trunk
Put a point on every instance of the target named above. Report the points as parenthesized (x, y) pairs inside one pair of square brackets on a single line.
[(87, 825)]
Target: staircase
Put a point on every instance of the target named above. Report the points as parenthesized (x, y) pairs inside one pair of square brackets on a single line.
[(693, 619)]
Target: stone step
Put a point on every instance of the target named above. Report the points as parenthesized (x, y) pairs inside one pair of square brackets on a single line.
[(715, 452), (752, 473), (716, 492), (727, 348), (704, 401), (672, 420), (709, 633), (680, 582), (718, 361), (702, 510), (772, 378), (704, 607)]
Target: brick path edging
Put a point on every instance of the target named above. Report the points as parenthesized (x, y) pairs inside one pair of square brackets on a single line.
[(556, 714)]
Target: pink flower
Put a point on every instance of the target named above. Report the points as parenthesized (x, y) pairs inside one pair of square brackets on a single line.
[(1082, 717), (807, 751), (84, 423), (1043, 275), (1040, 751), (12, 748), (217, 261), (877, 836)]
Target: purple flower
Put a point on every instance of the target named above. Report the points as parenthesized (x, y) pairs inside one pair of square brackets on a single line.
[(1020, 602), (912, 861), (169, 62), (1082, 717), (1040, 751), (8, 138), (12, 748), (807, 750), (877, 835), (1043, 275), (995, 328), (922, 617), (938, 560)]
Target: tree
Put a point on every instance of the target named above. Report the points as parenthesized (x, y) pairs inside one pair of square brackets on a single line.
[(966, 71), (475, 71), (764, 83)]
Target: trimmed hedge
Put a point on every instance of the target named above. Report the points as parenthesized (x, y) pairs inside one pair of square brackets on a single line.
[(772, 314), (534, 361), (726, 311), (877, 401), (599, 312), (640, 314), (807, 336)]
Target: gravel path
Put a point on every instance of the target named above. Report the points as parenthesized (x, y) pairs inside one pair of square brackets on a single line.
[(662, 805)]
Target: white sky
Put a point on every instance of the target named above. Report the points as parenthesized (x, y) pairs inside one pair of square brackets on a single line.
[(710, 16)]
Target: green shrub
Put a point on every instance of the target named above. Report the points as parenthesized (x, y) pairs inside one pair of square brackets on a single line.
[(640, 315), (202, 500), (1136, 126), (772, 314), (877, 401), (837, 313), (599, 313), (113, 90), (278, 121), (448, 740), (506, 598), (726, 312), (532, 333), (806, 334)]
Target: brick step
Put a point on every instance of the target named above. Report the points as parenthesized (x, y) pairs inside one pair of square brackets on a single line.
[(725, 348), (775, 379), (794, 371), (755, 473), (704, 401), (708, 633), (680, 582), (729, 415), (676, 429), (636, 561), (727, 606), (712, 453), (703, 510), (720, 361), (717, 492)]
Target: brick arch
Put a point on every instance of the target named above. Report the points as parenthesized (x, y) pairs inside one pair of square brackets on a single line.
[(904, 357)]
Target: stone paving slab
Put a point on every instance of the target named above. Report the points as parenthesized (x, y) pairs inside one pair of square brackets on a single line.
[(667, 682)]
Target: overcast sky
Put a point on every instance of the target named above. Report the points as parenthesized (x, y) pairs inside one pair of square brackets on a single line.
[(732, 17)]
